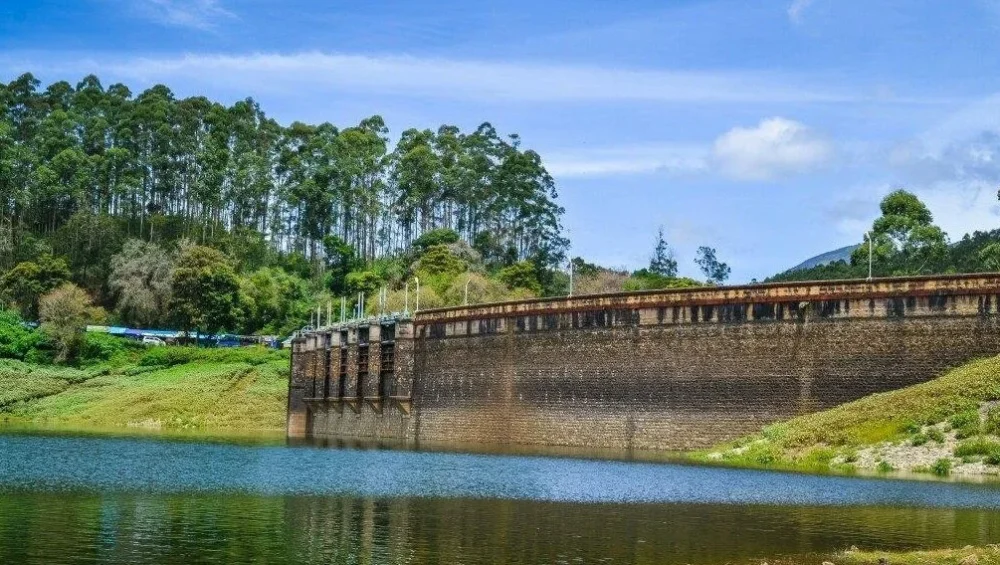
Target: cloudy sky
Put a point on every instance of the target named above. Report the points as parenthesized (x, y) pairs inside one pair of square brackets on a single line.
[(767, 129)]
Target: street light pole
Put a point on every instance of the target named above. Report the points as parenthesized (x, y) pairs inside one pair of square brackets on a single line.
[(571, 278), (870, 245), (466, 300), (416, 306)]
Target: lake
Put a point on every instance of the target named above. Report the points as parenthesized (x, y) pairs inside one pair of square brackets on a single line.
[(69, 499)]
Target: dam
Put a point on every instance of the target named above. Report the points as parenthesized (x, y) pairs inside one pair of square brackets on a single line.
[(667, 369)]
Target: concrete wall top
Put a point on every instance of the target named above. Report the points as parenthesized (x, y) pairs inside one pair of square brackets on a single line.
[(980, 283)]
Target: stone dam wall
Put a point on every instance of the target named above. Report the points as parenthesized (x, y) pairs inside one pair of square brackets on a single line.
[(673, 369)]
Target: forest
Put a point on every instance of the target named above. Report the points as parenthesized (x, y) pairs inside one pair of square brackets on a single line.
[(118, 193), (151, 210)]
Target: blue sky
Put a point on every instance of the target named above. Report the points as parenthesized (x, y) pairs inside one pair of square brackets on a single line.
[(767, 129)]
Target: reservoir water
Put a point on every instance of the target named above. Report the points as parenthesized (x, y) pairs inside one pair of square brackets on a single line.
[(68, 499)]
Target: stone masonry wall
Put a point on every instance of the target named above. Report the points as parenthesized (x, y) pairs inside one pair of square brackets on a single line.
[(672, 370)]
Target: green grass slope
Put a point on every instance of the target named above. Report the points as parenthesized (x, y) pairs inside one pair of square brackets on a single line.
[(166, 388), (954, 407)]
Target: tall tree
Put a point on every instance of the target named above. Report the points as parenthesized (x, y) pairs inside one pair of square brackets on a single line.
[(662, 262), (714, 270), (64, 313), (141, 279), (903, 236), (205, 291)]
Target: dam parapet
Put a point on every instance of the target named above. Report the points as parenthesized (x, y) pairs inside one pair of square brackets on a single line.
[(670, 369)]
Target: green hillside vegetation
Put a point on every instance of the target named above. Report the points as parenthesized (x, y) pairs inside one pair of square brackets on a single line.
[(118, 383), (207, 391), (953, 418)]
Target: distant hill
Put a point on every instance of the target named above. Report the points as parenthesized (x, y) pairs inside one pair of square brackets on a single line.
[(844, 253)]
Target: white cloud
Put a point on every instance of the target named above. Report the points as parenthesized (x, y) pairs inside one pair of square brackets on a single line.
[(776, 146), (405, 75), (961, 208), (797, 9), (197, 14)]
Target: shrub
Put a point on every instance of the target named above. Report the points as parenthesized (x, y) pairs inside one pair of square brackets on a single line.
[(819, 457), (884, 467), (977, 446), (170, 356), (912, 428), (16, 340), (644, 279), (966, 424), (992, 425), (935, 435), (98, 348), (763, 453), (941, 467), (918, 440), (521, 275)]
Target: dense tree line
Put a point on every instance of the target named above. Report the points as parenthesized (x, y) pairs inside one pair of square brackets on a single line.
[(110, 190), (166, 168)]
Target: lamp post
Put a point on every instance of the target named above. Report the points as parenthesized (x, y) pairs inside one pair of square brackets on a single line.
[(416, 307), (406, 300), (870, 252), (465, 301), (571, 278)]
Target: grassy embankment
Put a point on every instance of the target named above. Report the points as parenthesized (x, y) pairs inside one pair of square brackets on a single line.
[(948, 425), (239, 390)]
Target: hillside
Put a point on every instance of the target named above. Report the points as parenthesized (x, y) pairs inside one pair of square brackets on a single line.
[(947, 425), (180, 388), (842, 254)]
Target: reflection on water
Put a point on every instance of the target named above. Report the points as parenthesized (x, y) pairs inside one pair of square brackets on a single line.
[(130, 528), (92, 500)]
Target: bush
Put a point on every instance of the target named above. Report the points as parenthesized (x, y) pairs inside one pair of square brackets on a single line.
[(644, 279), (16, 340), (977, 446), (935, 435), (992, 425), (521, 275), (884, 467), (966, 424), (99, 348), (170, 356), (918, 440), (941, 467)]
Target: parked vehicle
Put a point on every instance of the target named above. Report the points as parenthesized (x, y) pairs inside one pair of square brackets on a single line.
[(152, 340)]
